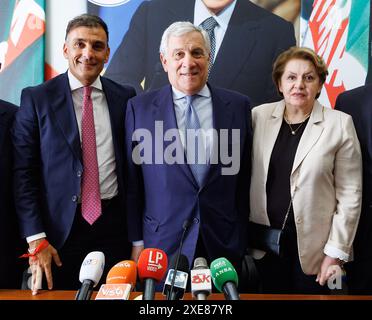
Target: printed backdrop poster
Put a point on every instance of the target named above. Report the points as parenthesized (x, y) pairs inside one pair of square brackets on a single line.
[(338, 30), (22, 26), (116, 14)]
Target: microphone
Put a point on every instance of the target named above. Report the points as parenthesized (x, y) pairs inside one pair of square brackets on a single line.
[(90, 273), (120, 280), (176, 281), (152, 266), (225, 278), (201, 285), (123, 272), (186, 225)]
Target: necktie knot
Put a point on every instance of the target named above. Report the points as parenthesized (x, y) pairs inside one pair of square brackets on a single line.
[(190, 99), (209, 24), (87, 91)]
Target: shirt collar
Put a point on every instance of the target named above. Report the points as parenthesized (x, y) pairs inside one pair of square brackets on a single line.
[(202, 13), (76, 84), (204, 92)]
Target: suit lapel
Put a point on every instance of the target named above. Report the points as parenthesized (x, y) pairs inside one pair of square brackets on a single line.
[(222, 119), (116, 109), (163, 111), (64, 111), (270, 134), (241, 36), (181, 9), (310, 136)]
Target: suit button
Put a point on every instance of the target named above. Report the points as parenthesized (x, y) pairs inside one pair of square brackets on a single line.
[(195, 220), (79, 173), (74, 198)]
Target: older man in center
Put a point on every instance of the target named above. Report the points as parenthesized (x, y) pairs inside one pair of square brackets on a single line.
[(211, 195)]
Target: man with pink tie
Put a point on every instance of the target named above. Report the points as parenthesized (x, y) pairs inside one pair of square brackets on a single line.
[(68, 138)]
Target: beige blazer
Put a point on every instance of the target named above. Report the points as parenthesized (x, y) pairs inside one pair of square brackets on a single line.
[(326, 180)]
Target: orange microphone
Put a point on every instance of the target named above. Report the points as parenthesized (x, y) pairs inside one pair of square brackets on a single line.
[(120, 281), (123, 272)]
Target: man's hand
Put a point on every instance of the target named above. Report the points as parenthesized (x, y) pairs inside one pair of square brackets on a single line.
[(40, 263), (136, 251)]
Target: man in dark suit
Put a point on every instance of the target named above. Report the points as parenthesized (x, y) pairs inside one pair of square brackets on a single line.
[(10, 245), (68, 137), (247, 41), (358, 103), (182, 180)]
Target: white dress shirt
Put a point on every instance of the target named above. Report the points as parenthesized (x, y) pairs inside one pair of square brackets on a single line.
[(202, 104)]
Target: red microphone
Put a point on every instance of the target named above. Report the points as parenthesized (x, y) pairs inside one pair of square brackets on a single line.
[(120, 280), (152, 266)]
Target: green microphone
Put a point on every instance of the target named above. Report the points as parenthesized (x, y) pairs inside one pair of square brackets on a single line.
[(225, 278)]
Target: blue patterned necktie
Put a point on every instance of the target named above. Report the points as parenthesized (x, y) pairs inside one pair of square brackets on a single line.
[(196, 161), (209, 25)]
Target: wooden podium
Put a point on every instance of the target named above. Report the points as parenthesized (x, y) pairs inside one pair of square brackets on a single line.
[(70, 295)]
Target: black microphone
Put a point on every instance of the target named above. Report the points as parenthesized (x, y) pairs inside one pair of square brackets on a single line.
[(176, 280), (186, 225)]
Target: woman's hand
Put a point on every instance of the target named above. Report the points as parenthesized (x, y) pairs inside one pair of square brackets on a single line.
[(329, 267)]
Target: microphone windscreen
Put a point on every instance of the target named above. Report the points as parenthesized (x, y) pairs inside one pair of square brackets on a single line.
[(152, 264), (200, 263), (223, 271), (123, 272), (183, 263), (92, 267)]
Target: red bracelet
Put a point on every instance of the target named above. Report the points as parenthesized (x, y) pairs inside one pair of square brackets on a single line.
[(42, 245)]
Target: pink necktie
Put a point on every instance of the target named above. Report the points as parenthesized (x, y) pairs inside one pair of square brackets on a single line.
[(90, 194)]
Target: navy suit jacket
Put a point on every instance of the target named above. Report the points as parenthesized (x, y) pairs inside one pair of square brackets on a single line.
[(252, 41), (48, 163), (358, 103), (161, 197)]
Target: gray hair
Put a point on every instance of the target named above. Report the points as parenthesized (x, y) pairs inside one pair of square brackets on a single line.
[(178, 29)]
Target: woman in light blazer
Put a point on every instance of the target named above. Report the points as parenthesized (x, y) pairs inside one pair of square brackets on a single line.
[(306, 179)]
